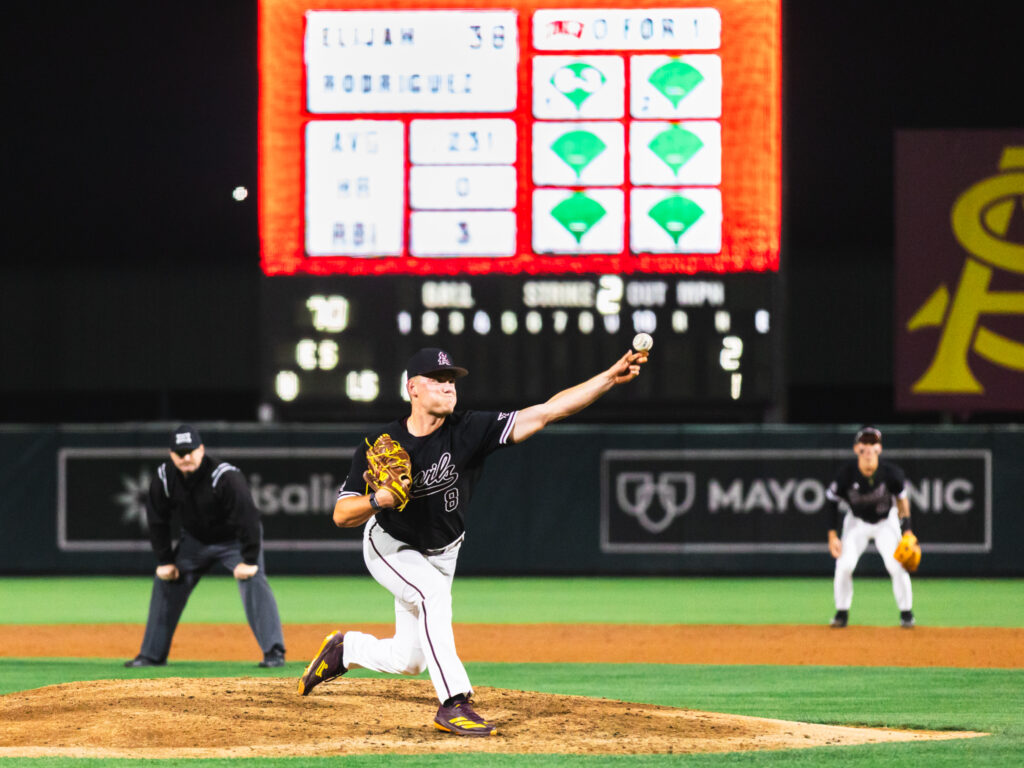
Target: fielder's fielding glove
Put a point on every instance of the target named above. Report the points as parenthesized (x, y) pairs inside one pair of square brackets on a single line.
[(908, 552), (389, 467)]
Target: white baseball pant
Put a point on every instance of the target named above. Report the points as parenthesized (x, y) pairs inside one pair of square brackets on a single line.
[(857, 534), (424, 639)]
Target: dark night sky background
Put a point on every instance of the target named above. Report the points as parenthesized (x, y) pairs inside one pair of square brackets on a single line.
[(131, 280)]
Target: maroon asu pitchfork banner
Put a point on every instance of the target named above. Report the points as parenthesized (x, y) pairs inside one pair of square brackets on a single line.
[(959, 336)]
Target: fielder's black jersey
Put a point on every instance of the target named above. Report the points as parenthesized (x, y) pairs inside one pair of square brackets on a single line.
[(870, 498), (446, 465), (214, 504)]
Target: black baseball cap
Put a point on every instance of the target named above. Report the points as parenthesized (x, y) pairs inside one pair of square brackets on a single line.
[(185, 439), (431, 360), (868, 434)]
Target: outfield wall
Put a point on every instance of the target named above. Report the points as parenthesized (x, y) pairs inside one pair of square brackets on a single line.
[(727, 500)]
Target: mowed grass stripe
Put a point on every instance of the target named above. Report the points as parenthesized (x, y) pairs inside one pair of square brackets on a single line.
[(328, 599)]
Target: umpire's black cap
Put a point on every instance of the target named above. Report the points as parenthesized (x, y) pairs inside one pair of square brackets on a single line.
[(868, 434), (431, 360), (185, 439)]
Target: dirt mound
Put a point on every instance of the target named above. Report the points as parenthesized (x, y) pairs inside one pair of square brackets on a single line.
[(260, 717)]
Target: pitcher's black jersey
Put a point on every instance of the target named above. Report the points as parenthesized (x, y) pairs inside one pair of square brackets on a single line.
[(870, 498), (446, 465)]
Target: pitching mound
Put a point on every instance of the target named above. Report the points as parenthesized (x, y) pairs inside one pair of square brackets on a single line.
[(250, 717)]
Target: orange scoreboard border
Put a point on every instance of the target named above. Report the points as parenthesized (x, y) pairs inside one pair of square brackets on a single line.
[(751, 146)]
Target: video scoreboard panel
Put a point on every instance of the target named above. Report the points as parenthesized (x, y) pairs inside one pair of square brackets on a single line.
[(515, 179)]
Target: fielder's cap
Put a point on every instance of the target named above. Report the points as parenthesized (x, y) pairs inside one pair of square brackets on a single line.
[(868, 434), (185, 439), (431, 360)]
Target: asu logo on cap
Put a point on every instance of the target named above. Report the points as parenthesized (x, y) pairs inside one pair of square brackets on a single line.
[(431, 360)]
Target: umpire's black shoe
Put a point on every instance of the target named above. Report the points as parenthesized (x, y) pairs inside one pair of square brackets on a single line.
[(907, 619), (144, 661), (273, 658), (840, 620)]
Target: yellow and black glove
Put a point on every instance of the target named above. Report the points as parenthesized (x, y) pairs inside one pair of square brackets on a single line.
[(390, 468)]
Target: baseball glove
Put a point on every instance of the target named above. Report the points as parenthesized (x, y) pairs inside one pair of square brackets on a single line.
[(908, 552), (389, 467)]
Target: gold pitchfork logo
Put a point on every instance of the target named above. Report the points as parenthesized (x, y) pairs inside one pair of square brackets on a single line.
[(980, 218)]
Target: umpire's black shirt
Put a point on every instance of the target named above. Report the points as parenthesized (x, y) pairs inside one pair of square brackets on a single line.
[(213, 503)]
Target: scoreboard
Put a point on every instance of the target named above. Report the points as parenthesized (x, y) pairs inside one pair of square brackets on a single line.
[(526, 184)]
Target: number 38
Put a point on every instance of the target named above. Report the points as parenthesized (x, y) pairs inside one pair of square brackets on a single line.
[(497, 36)]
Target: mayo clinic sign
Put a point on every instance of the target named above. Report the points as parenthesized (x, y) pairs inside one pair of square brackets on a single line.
[(756, 501)]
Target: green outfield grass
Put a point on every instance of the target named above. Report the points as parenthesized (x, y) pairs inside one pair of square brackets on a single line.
[(305, 599), (934, 698)]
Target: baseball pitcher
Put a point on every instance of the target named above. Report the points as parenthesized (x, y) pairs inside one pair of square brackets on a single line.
[(410, 486)]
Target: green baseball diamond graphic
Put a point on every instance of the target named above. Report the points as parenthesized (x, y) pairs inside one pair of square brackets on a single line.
[(578, 213)]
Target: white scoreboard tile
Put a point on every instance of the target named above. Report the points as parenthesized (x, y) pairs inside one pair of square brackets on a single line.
[(581, 154), (621, 29), (455, 187), (688, 152), (355, 197), (411, 61), (578, 221), (675, 220), (489, 141), (676, 87), (578, 87), (462, 233)]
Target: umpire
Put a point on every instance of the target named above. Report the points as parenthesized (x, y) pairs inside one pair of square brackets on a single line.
[(219, 524)]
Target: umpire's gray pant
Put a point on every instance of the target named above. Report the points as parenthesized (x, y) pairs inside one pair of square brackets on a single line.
[(194, 559)]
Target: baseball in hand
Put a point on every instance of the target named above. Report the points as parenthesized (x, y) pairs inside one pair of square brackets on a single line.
[(643, 342)]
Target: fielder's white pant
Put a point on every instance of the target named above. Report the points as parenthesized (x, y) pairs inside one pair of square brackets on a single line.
[(422, 586), (857, 534)]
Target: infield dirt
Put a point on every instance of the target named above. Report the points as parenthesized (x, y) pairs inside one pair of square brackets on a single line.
[(561, 643)]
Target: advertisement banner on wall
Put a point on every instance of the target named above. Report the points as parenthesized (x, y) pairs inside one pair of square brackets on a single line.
[(757, 501), (101, 495), (959, 335)]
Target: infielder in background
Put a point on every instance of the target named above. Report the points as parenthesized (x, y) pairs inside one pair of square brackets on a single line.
[(412, 552), (879, 511), (219, 524)]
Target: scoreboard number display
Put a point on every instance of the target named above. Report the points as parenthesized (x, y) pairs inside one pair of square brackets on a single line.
[(528, 185)]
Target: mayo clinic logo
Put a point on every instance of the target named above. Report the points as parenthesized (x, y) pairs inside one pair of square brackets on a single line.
[(756, 501), (635, 492)]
